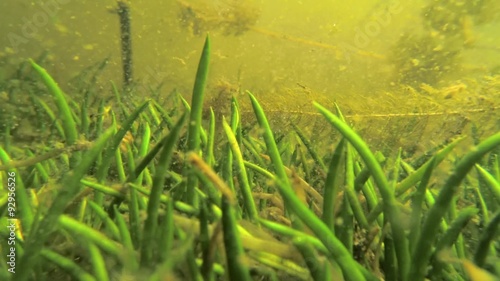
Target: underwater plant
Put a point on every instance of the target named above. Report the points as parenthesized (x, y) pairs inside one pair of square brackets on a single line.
[(142, 193)]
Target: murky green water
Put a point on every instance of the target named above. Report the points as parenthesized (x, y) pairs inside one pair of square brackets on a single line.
[(387, 58)]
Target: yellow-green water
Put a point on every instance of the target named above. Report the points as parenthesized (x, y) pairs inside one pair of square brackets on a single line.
[(290, 52), (79, 33)]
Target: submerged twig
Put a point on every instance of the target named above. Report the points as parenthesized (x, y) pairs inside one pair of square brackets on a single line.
[(123, 11)]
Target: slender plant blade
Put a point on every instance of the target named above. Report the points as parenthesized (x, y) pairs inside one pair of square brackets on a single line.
[(390, 207), (195, 118), (423, 248)]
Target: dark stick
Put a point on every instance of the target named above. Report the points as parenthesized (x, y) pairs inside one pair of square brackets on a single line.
[(126, 41)]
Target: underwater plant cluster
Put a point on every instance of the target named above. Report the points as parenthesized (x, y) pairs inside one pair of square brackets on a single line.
[(144, 191)]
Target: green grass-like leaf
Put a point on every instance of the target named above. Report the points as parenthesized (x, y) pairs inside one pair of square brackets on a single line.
[(390, 207), (151, 224), (69, 188), (430, 228), (15, 189), (69, 125), (117, 139), (196, 114), (249, 203), (486, 239), (351, 269)]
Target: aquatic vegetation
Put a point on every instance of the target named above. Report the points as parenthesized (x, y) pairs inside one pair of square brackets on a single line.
[(428, 55), (423, 59), (231, 17), (143, 194)]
